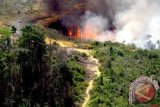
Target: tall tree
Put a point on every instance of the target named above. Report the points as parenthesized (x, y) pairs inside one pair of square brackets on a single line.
[(5, 69), (31, 60)]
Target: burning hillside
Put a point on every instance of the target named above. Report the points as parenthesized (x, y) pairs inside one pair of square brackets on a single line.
[(51, 63), (111, 20), (122, 21)]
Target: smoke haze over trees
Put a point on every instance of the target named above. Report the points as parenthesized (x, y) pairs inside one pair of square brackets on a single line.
[(133, 19)]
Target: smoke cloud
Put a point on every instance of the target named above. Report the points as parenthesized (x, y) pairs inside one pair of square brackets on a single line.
[(134, 21)]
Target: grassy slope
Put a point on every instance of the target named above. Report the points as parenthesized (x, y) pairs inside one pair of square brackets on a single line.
[(120, 66)]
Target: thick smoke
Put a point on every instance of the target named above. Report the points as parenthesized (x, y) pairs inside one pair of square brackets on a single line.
[(136, 21)]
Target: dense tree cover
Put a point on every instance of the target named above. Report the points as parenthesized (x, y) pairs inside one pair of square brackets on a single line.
[(5, 61), (121, 65), (78, 80), (33, 74), (68, 78)]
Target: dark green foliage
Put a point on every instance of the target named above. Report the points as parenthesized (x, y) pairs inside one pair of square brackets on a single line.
[(5, 67), (33, 39), (5, 34), (68, 79), (33, 74), (121, 65), (78, 86), (30, 61)]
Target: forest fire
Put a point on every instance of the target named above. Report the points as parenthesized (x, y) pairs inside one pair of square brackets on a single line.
[(89, 21), (74, 32), (87, 33)]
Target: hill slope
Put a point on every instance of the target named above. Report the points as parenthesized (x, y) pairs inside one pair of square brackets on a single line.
[(121, 65)]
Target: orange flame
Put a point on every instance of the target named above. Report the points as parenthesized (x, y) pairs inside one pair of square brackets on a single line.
[(74, 33), (88, 33), (70, 34)]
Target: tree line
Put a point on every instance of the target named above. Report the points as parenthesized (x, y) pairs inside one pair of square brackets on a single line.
[(33, 74)]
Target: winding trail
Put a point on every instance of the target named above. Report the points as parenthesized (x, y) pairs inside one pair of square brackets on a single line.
[(92, 66)]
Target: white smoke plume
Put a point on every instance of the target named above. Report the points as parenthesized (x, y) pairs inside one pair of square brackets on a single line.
[(134, 21)]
